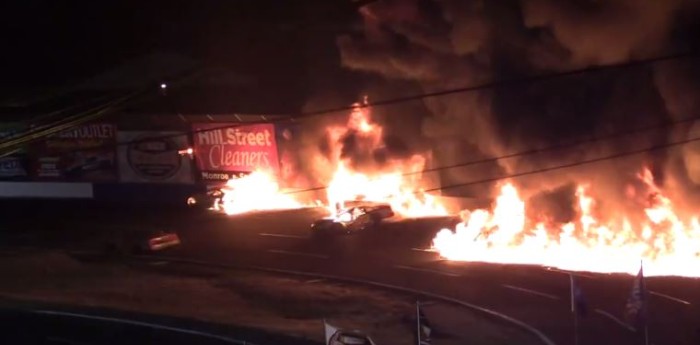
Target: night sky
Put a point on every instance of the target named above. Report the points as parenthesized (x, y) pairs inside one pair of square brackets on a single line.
[(286, 56), (284, 47)]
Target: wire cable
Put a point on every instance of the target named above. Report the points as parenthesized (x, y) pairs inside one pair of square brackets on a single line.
[(610, 136), (541, 170), (75, 120), (570, 165), (490, 85), (300, 116), (72, 121)]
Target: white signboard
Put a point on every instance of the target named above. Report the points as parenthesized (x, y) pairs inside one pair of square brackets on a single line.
[(153, 157)]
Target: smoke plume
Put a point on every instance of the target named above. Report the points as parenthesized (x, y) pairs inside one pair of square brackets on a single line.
[(443, 44)]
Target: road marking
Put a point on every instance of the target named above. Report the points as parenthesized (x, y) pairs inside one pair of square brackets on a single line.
[(309, 255), (618, 321), (140, 323), (521, 289), (423, 250), (577, 274), (283, 235), (669, 297), (449, 274)]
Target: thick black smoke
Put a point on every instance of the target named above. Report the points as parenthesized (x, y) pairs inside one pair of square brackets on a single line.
[(442, 44)]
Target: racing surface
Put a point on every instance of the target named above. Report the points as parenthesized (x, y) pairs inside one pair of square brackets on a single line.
[(394, 254), (63, 325)]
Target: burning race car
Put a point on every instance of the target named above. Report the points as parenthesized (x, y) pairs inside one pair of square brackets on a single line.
[(351, 220), (211, 199)]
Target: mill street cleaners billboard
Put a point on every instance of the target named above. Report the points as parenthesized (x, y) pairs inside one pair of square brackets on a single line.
[(223, 153)]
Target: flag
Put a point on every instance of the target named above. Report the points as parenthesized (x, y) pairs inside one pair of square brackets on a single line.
[(636, 308), (337, 336), (424, 330), (579, 305), (329, 331)]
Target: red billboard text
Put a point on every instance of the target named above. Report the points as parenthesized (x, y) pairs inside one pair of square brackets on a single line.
[(225, 148)]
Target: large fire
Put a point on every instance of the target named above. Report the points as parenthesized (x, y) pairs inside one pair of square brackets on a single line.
[(255, 192), (667, 241), (667, 244), (396, 181), (389, 187)]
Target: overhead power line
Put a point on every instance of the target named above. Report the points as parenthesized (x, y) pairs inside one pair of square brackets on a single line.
[(570, 165), (300, 116), (52, 114), (541, 170), (34, 134), (81, 118), (292, 118), (42, 118), (610, 136)]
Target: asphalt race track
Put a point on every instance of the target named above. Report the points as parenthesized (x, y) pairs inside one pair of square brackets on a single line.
[(61, 327), (394, 254)]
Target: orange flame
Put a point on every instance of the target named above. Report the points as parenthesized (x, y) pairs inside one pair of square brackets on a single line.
[(385, 184), (255, 192), (390, 188), (388, 184), (667, 244)]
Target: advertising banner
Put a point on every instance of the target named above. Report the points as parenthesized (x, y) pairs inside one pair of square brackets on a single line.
[(84, 153), (152, 157), (222, 153), (14, 165)]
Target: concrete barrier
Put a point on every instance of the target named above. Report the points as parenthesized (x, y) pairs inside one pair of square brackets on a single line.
[(146, 193), (50, 190)]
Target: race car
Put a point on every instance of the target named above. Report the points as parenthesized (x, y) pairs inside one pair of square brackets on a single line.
[(210, 199), (351, 220)]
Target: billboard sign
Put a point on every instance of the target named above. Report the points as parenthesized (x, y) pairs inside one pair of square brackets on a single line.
[(152, 157), (12, 167), (225, 150), (84, 153), (15, 164)]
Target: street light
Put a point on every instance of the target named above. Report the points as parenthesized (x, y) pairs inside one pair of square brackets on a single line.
[(188, 151)]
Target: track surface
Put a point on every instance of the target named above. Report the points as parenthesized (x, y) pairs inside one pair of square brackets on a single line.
[(392, 255), (60, 327)]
